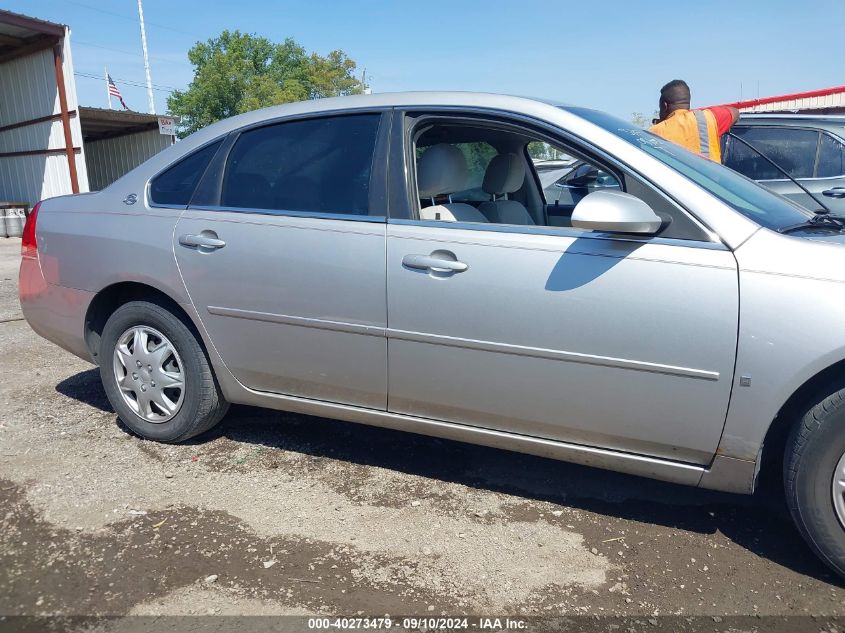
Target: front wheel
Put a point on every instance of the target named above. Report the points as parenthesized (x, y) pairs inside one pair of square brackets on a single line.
[(814, 478), (156, 374)]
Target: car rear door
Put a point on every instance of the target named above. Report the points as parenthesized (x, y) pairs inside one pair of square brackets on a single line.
[(282, 253), (601, 340)]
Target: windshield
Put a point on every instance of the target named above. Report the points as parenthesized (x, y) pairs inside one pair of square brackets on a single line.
[(746, 196)]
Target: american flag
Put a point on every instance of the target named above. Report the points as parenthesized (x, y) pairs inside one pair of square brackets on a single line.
[(114, 92)]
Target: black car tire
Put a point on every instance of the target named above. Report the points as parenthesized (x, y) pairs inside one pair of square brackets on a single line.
[(203, 405), (813, 450)]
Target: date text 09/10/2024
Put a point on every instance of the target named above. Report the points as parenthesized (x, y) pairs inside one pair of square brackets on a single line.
[(416, 623)]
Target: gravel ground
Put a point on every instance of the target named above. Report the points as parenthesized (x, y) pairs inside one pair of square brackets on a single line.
[(274, 513)]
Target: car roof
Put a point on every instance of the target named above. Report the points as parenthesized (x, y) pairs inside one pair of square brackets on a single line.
[(522, 105), (388, 100), (830, 122)]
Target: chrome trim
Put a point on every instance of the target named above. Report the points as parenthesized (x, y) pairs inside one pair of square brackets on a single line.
[(353, 217), (175, 207), (451, 341), (551, 354), (558, 231), (813, 179), (320, 324), (631, 463)]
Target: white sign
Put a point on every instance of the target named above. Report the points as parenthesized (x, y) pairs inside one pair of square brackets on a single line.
[(167, 125)]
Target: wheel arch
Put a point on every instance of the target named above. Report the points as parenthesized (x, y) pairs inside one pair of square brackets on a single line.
[(110, 298), (815, 388)]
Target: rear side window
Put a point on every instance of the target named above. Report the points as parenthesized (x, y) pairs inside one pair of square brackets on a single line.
[(793, 150), (831, 158), (176, 185), (319, 165)]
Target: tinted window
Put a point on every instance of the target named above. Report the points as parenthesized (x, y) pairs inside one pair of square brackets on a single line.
[(792, 150), (831, 158), (176, 185), (746, 196), (748, 162), (318, 165)]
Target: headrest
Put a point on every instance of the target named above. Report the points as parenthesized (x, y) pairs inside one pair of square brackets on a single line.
[(442, 169), (504, 174)]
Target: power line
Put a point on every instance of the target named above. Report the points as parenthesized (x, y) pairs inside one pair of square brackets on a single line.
[(127, 82), (125, 52), (130, 18)]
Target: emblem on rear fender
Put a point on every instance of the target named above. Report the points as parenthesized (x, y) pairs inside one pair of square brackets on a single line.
[(130, 199)]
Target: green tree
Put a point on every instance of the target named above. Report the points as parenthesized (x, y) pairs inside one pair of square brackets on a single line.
[(237, 72)]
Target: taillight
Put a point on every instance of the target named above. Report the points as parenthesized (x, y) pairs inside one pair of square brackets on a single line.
[(29, 245)]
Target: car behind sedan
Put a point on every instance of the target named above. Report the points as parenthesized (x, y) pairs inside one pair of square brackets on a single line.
[(394, 260), (809, 149)]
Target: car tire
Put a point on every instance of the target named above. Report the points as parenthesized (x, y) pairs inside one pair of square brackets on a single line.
[(813, 461), (189, 410)]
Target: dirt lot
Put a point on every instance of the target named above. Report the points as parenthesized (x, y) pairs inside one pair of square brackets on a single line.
[(273, 513)]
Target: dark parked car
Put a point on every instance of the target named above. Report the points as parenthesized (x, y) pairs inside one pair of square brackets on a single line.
[(811, 149)]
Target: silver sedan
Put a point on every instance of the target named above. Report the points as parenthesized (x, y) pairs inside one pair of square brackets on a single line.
[(392, 260)]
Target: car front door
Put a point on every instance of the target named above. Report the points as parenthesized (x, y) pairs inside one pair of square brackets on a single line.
[(282, 254), (607, 341)]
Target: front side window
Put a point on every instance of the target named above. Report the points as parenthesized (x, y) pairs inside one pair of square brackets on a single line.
[(831, 158), (318, 165), (743, 195), (486, 172), (793, 150), (176, 185)]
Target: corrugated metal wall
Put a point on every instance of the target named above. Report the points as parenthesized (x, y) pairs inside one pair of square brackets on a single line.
[(29, 91), (110, 158)]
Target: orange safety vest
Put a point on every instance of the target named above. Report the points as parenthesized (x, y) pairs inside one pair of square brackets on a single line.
[(695, 130)]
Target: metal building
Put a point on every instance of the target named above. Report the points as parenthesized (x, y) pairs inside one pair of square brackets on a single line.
[(116, 141), (40, 135), (49, 146)]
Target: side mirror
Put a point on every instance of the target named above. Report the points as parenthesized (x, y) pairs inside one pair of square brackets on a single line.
[(615, 212), (585, 179)]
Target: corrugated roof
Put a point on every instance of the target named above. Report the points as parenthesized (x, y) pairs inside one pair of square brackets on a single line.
[(98, 123), (21, 34), (822, 99)]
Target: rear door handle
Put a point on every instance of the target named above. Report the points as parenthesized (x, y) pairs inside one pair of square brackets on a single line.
[(202, 241), (432, 262), (836, 192)]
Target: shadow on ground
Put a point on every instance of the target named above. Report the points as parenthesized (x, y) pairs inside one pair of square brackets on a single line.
[(759, 523)]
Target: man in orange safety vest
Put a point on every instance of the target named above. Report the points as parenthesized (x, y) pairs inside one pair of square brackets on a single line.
[(697, 130)]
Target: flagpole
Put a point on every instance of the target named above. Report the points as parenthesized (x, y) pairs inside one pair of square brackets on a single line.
[(150, 100), (108, 92)]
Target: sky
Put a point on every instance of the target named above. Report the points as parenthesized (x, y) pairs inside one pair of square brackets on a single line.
[(611, 55)]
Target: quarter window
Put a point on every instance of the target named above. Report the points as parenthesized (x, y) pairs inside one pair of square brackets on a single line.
[(320, 165), (176, 185), (831, 158)]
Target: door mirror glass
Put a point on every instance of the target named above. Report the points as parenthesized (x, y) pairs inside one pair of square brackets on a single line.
[(615, 212)]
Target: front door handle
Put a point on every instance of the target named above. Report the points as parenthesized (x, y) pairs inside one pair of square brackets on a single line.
[(202, 241), (433, 262), (836, 192)]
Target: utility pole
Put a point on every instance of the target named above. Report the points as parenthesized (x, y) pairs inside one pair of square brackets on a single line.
[(150, 100)]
